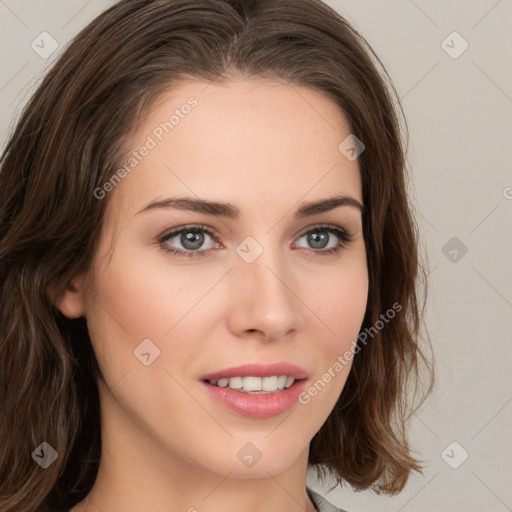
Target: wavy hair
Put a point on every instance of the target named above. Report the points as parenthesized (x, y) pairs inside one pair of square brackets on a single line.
[(68, 142)]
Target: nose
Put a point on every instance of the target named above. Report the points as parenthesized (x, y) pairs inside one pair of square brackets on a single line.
[(263, 298)]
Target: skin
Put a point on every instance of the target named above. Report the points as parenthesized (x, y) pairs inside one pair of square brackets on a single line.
[(266, 148)]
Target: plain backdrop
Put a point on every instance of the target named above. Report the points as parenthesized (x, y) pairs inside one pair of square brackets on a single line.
[(450, 62)]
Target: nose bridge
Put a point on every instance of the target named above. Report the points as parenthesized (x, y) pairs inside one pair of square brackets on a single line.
[(264, 289)]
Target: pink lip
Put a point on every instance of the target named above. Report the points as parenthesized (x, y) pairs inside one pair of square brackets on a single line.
[(259, 370), (257, 405)]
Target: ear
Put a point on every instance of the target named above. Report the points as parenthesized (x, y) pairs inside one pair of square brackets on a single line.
[(71, 302)]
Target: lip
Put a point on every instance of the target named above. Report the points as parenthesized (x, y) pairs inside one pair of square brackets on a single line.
[(259, 370), (257, 405), (254, 405)]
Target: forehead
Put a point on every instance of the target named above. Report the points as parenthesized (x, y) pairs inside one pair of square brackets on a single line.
[(250, 142)]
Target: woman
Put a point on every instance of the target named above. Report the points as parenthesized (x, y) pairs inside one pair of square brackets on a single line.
[(208, 266)]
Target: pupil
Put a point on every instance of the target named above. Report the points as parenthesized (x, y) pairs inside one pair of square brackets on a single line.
[(192, 239), (318, 241)]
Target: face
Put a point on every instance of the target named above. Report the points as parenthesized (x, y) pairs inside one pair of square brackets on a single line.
[(214, 272)]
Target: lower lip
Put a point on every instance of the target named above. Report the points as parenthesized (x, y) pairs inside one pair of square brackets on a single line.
[(257, 405)]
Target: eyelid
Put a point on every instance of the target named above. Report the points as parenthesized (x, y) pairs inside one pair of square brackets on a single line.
[(197, 227), (325, 226)]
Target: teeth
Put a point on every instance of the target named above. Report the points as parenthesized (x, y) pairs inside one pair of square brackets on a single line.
[(252, 383), (269, 383), (236, 382), (222, 383), (258, 385)]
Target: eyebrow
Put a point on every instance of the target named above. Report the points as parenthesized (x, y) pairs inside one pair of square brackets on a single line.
[(231, 212)]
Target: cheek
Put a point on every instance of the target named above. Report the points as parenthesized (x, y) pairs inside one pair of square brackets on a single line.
[(147, 297), (136, 300), (341, 307), (343, 299)]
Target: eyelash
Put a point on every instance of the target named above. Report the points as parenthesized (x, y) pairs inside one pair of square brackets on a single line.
[(344, 239)]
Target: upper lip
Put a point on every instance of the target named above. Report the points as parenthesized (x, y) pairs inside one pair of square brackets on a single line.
[(259, 370)]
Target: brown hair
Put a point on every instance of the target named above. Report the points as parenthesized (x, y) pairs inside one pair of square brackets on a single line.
[(68, 143)]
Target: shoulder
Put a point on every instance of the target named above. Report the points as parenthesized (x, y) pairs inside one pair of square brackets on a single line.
[(321, 503)]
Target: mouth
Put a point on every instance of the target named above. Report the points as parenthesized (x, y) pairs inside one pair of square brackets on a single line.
[(256, 391)]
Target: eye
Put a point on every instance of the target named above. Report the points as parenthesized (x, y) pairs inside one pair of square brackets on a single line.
[(326, 239), (190, 238), (192, 241)]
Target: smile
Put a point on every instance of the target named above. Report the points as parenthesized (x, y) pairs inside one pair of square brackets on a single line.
[(256, 390)]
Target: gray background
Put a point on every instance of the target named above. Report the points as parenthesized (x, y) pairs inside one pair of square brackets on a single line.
[(459, 109)]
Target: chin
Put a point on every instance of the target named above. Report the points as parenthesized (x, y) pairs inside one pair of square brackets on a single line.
[(259, 458)]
